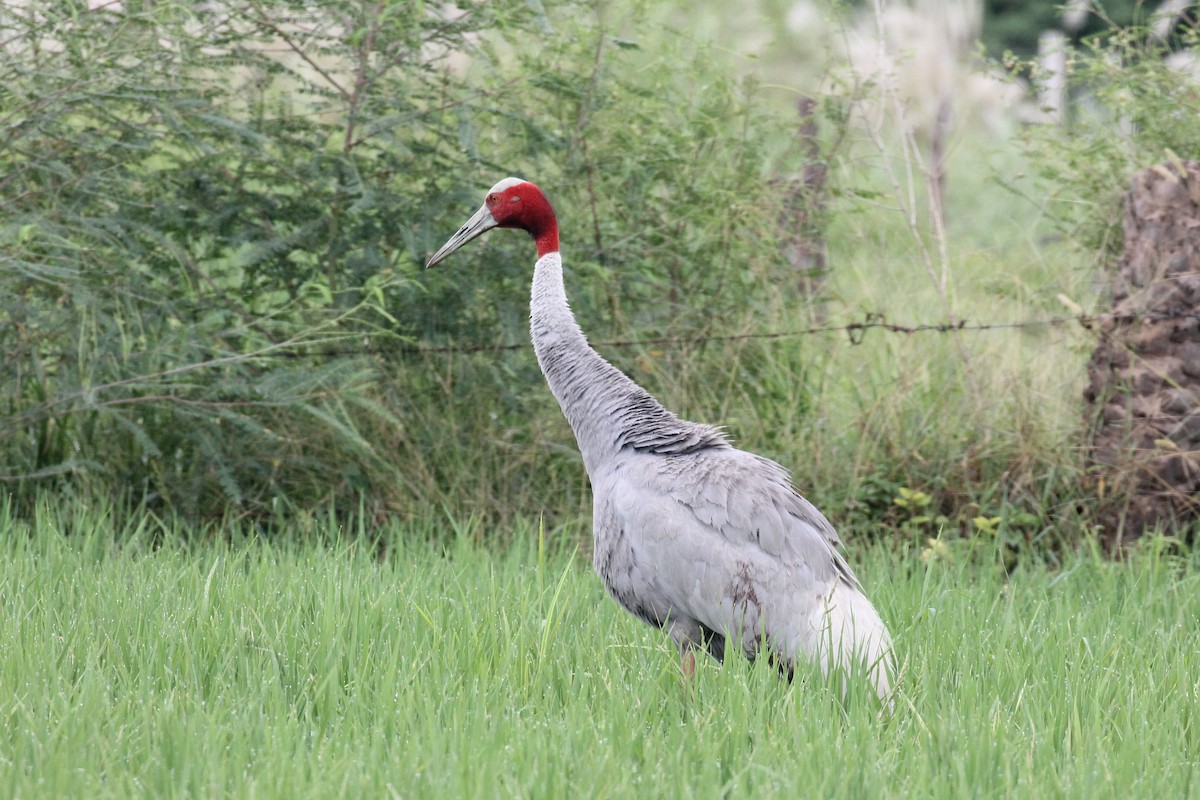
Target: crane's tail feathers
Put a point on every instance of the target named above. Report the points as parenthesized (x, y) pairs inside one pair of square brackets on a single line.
[(854, 641)]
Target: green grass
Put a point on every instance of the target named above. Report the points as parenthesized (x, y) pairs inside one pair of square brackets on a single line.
[(258, 669), (987, 422)]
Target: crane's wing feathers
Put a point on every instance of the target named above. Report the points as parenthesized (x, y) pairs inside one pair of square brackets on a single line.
[(748, 498), (716, 541), (745, 500)]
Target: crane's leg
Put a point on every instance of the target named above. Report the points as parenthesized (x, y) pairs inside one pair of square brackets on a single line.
[(687, 663), (687, 636)]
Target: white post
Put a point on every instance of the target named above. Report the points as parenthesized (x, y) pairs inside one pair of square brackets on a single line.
[(1052, 77)]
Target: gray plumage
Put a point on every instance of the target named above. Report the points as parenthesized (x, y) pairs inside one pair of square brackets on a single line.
[(691, 534)]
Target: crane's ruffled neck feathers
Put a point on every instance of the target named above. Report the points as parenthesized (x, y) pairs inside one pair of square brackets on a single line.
[(607, 411)]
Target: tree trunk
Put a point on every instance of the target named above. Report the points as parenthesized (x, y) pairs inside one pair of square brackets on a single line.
[(803, 206), (1144, 391)]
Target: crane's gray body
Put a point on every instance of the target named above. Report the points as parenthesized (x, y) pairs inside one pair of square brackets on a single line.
[(691, 534), (714, 544)]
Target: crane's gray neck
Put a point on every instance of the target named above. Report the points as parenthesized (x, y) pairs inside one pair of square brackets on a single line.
[(607, 411)]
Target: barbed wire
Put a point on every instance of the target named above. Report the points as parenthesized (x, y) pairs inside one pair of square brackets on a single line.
[(855, 331)]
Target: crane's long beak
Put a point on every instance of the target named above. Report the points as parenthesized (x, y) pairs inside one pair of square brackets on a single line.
[(480, 223)]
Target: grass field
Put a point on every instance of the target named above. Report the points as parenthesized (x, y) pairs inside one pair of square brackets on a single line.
[(446, 669)]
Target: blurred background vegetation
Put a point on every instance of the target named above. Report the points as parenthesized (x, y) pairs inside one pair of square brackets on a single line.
[(213, 218)]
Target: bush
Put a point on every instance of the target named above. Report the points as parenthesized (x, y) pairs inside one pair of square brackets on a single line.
[(1136, 102), (214, 219), (190, 220)]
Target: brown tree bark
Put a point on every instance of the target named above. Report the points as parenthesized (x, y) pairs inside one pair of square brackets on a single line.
[(1144, 376), (803, 206)]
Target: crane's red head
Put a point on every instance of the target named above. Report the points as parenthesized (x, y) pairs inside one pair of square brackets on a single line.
[(511, 203)]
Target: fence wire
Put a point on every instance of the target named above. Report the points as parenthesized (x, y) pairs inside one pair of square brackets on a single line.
[(855, 332)]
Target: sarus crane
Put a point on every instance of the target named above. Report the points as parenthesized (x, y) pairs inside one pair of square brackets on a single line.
[(708, 542)]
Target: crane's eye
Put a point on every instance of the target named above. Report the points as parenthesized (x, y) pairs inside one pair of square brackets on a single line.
[(491, 198)]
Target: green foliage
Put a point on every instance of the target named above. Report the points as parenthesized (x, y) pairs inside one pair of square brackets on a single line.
[(1134, 109), (214, 221), (1015, 25), (213, 229), (419, 664), (190, 219)]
